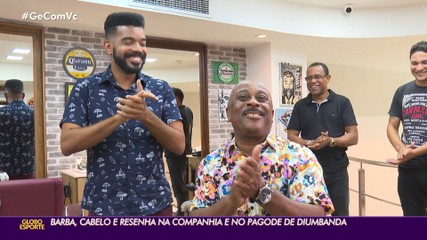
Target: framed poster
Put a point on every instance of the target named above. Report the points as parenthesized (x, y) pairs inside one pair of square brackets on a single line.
[(225, 72), (79, 63), (223, 97), (68, 87), (291, 83), (283, 115)]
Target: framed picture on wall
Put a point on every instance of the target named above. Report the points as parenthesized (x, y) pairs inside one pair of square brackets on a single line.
[(283, 115), (290, 82), (223, 97), (68, 87)]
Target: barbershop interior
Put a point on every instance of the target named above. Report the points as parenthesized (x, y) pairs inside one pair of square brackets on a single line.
[(364, 43)]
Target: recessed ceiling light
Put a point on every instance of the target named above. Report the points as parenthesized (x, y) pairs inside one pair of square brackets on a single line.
[(21, 50), (261, 36), (196, 54), (14, 58), (150, 60)]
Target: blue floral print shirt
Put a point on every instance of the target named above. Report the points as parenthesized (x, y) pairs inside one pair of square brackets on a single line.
[(287, 166), (125, 172), (17, 139)]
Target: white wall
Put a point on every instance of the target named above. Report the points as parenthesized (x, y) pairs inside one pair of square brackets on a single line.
[(259, 64), (333, 22), (23, 72), (370, 91)]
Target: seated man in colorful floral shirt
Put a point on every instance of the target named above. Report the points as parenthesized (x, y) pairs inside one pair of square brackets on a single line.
[(257, 174)]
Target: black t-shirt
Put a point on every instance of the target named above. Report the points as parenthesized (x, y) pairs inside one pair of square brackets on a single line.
[(410, 105)]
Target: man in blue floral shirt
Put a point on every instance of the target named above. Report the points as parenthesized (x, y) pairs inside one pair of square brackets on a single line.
[(16, 133), (124, 119), (257, 174)]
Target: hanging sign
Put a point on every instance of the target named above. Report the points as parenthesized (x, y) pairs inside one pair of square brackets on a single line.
[(225, 72), (79, 63)]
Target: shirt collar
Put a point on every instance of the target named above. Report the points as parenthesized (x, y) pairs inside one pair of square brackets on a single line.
[(330, 97), (16, 101), (270, 142), (107, 76)]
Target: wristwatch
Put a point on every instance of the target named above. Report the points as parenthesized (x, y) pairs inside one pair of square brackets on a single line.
[(264, 195), (332, 143)]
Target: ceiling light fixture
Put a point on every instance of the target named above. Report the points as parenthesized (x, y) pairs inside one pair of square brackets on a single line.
[(18, 58), (21, 50), (150, 60), (261, 36)]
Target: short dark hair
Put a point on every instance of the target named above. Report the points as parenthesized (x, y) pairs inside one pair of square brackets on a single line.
[(122, 19), (325, 68), (418, 47), (14, 86), (178, 93)]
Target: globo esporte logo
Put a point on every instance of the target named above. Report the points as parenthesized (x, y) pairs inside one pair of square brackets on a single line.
[(31, 224)]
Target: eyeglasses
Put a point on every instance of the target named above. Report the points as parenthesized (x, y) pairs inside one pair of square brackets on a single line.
[(315, 77)]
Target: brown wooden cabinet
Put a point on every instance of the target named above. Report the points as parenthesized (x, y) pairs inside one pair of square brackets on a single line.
[(75, 181)]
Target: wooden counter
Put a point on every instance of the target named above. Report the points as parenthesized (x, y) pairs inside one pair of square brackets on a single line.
[(76, 180)]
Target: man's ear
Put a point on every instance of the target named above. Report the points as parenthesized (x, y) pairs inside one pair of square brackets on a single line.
[(108, 47), (227, 110)]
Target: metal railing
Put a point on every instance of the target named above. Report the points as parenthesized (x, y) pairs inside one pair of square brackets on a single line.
[(361, 183)]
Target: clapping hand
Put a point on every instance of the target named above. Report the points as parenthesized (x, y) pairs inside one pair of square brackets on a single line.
[(249, 179), (134, 106), (404, 155), (320, 142)]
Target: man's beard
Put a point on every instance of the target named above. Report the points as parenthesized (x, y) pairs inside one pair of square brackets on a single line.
[(121, 62)]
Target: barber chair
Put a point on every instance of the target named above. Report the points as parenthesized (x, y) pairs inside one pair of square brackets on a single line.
[(32, 197)]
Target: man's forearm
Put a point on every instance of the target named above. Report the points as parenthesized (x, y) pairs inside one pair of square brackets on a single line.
[(393, 137), (167, 135), (75, 138)]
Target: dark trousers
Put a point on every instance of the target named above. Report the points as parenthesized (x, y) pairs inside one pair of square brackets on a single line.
[(337, 184), (178, 171), (412, 189)]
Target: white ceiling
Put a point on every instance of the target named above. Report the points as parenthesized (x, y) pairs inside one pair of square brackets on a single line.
[(9, 42), (357, 3), (364, 52)]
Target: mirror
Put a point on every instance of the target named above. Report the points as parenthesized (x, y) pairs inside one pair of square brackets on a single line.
[(190, 87), (181, 70), (32, 37)]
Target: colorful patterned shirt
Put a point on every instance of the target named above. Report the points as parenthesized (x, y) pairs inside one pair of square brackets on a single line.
[(287, 166), (125, 172), (17, 139)]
